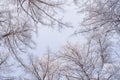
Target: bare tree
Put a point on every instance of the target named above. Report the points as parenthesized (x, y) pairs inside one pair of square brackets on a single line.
[(18, 21), (101, 15), (101, 18), (98, 59), (87, 64), (40, 11), (46, 68)]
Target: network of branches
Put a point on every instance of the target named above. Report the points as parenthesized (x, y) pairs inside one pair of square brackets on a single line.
[(97, 59)]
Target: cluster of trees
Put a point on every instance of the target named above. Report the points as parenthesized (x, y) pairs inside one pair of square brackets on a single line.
[(97, 60)]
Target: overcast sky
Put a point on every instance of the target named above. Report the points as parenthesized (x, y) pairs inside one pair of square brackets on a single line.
[(54, 39)]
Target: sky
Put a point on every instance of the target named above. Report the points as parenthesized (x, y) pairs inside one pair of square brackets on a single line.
[(54, 39)]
